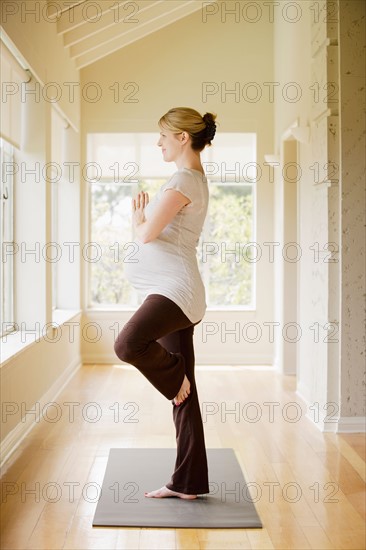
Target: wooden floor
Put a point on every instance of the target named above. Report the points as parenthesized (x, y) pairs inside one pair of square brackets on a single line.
[(308, 486)]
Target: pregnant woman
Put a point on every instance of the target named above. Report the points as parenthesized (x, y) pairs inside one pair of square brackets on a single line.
[(158, 339)]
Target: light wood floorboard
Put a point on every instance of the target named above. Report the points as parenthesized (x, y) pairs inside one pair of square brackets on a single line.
[(308, 486)]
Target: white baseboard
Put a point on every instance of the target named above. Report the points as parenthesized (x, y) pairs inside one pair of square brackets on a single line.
[(101, 358), (16, 436), (339, 424), (311, 415), (201, 359), (351, 424), (231, 358)]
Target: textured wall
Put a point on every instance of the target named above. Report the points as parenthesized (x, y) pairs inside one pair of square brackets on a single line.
[(327, 58), (353, 147), (325, 289)]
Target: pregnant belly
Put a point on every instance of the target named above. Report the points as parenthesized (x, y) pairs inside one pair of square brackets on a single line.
[(148, 261), (155, 265)]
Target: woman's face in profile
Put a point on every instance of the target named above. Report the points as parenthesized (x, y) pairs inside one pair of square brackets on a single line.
[(170, 145)]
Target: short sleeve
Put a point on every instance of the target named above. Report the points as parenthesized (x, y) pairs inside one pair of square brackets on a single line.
[(184, 183)]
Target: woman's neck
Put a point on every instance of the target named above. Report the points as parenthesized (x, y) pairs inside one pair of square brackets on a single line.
[(191, 161)]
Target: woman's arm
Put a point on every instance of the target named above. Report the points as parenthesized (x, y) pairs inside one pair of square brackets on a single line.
[(168, 207)]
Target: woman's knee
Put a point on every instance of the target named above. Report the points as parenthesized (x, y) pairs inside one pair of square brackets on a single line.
[(124, 346), (125, 350)]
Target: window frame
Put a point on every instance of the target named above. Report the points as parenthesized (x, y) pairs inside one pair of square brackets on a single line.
[(211, 180)]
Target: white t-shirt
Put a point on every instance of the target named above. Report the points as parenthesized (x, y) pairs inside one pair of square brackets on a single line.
[(168, 264)]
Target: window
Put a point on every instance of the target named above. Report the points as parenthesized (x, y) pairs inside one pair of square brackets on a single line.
[(226, 250), (7, 244), (226, 255), (12, 75)]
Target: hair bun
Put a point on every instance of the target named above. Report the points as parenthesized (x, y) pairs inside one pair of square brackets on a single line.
[(209, 120)]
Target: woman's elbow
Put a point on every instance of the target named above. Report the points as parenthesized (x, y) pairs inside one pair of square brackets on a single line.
[(146, 237), (146, 234)]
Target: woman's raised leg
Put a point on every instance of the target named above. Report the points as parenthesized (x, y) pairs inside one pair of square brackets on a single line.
[(137, 343)]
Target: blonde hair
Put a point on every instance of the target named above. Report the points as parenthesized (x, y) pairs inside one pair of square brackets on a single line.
[(201, 129)]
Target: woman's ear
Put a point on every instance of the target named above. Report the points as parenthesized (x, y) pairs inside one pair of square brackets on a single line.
[(184, 138)]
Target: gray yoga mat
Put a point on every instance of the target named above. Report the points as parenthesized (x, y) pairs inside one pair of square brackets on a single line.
[(131, 472)]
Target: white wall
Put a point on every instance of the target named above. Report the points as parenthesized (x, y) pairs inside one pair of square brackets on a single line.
[(292, 70), (330, 366), (170, 68), (39, 360), (36, 360), (35, 36)]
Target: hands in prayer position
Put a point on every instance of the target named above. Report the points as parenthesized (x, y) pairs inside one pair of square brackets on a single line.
[(138, 208)]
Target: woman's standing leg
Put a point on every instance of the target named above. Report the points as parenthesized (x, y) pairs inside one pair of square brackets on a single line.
[(160, 321), (191, 473)]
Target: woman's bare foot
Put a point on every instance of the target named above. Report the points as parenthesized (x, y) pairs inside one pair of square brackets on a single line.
[(165, 492), (183, 392)]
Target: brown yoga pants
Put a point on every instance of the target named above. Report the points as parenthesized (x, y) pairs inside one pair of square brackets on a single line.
[(158, 341)]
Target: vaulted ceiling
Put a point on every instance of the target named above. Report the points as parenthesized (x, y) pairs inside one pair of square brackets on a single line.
[(93, 29)]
